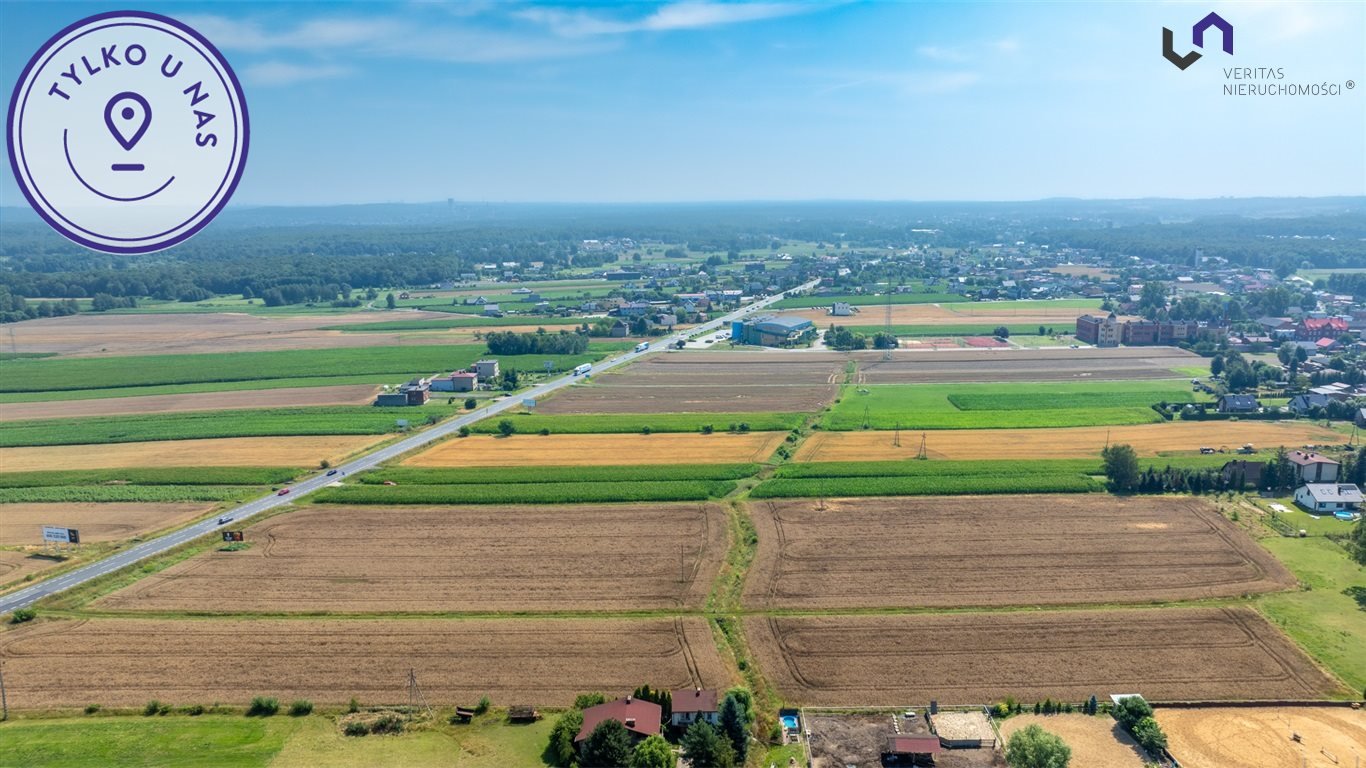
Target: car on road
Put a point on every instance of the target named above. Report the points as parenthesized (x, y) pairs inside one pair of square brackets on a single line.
[(331, 472), (224, 520), (282, 492)]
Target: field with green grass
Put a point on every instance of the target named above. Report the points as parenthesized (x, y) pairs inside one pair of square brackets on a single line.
[(564, 492), (519, 475), (152, 476), (192, 425), (919, 478), (1324, 621), (149, 493), (66, 374), (439, 324), (1003, 406), (807, 302), (582, 424)]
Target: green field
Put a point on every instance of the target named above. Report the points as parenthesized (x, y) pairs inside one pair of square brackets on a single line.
[(518, 475), (64, 374), (528, 493), (807, 302), (581, 424), (233, 741), (1324, 621), (459, 322), (1002, 406), (184, 389), (148, 493), (152, 476), (918, 478), (191, 425)]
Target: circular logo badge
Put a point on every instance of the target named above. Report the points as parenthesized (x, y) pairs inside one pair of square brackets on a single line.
[(128, 132)]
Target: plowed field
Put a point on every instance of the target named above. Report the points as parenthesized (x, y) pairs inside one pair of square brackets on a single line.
[(23, 523), (599, 450), (948, 552), (970, 658), (1062, 443), (349, 394), (126, 662), (482, 559)]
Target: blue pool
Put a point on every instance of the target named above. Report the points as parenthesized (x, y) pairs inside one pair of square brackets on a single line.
[(789, 722)]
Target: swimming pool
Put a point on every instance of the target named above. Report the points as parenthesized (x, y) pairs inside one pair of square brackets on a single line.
[(789, 722)]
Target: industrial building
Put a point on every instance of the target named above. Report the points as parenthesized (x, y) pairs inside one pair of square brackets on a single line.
[(773, 330)]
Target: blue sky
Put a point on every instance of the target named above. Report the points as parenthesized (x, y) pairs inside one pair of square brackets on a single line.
[(507, 101)]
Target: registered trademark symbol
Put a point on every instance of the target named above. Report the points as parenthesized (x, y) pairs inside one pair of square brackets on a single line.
[(1351, 84)]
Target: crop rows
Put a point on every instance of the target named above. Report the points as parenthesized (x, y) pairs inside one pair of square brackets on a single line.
[(152, 476), (807, 302), (940, 485), (527, 493), (93, 493), (265, 422), (521, 475), (601, 423), (454, 322), (1080, 400)]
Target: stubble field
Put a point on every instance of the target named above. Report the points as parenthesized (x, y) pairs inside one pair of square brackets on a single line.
[(729, 382), (545, 662), (1096, 742), (215, 452), (346, 394), (1062, 443), (600, 450), (470, 559), (969, 658), (1256, 737), (22, 523), (1086, 364), (946, 552)]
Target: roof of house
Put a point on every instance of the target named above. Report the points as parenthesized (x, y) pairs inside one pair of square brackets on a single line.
[(1324, 323), (464, 375), (1303, 458), (913, 745), (1331, 492), (642, 717), (695, 700), (1239, 401)]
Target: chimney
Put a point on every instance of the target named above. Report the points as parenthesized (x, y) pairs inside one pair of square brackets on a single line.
[(630, 722), (628, 701)]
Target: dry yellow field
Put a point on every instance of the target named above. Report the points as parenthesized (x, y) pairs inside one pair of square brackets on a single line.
[(346, 394), (599, 450), (22, 523), (1261, 736), (217, 452), (985, 313), (16, 564), (1069, 443), (1096, 742)]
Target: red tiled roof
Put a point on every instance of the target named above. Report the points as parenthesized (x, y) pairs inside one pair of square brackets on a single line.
[(1319, 323), (1301, 458), (913, 745), (695, 700), (642, 717)]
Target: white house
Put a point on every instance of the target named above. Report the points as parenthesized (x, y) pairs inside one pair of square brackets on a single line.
[(1327, 498), (842, 309), (1311, 467), (693, 704)]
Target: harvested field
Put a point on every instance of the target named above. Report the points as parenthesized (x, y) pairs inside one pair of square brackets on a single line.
[(730, 382), (544, 662), (216, 452), (16, 564), (1065, 443), (1257, 737), (22, 523), (481, 559), (1096, 742), (600, 450), (348, 394), (1050, 364), (92, 334), (973, 658), (1000, 550)]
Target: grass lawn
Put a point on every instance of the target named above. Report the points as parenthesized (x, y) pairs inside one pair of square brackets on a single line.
[(1298, 519), (1324, 621), (277, 742), (1005, 406)]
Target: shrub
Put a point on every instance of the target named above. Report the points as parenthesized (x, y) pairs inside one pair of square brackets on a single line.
[(300, 708), (1149, 735), (482, 706), (471, 404), (561, 750), (22, 615), (194, 710), (355, 728), (707, 429), (263, 706), (325, 464), (464, 431), (387, 723), (545, 431), (506, 428), (155, 707), (91, 709), (1033, 747), (354, 706), (645, 430), (586, 700)]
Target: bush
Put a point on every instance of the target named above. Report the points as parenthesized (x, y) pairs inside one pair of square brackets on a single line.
[(300, 708), (586, 700), (354, 706), (471, 404), (561, 750), (22, 615), (1033, 747), (545, 431), (387, 723), (506, 428), (464, 431), (263, 706), (356, 728), (482, 706), (1149, 735), (91, 709), (194, 710), (155, 707)]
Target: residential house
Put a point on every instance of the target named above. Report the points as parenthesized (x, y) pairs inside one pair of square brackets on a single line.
[(1312, 467), (1238, 404), (1315, 328), (842, 309), (1328, 498), (459, 381), (667, 321), (486, 369), (1302, 404), (620, 330), (492, 310), (641, 718), (1248, 473), (693, 704)]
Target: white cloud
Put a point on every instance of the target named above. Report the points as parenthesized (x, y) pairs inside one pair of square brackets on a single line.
[(283, 73), (673, 16)]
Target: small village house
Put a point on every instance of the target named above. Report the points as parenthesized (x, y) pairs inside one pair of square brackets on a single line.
[(1238, 404), (1328, 498), (641, 718), (693, 704), (1311, 467)]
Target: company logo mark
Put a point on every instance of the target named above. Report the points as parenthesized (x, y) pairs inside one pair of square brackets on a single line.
[(128, 132), (1198, 38)]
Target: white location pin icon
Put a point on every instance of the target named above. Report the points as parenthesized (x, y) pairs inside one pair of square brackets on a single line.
[(127, 116)]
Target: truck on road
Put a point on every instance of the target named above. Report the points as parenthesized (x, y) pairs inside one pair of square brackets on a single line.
[(642, 346), (583, 369)]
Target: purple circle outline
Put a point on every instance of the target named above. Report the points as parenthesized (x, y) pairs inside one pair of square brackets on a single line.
[(196, 214), (236, 176)]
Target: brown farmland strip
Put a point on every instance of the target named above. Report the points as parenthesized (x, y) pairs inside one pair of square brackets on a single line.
[(126, 662), (948, 552), (480, 559), (1063, 443), (600, 450), (1257, 737), (113, 521), (214, 452), (974, 658), (1087, 364), (347, 394)]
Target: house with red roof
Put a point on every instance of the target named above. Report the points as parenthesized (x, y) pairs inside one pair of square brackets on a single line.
[(1315, 328), (693, 704), (641, 718)]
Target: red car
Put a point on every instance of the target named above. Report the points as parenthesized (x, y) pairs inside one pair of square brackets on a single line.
[(282, 492)]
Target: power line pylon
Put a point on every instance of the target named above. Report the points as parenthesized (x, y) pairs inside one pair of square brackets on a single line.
[(416, 701)]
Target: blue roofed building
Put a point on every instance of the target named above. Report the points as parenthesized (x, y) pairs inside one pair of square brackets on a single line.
[(773, 330)]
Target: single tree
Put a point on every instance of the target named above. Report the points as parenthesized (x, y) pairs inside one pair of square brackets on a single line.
[(654, 752), (1121, 466), (1033, 747), (390, 301), (506, 428), (562, 735), (608, 746), (734, 722)]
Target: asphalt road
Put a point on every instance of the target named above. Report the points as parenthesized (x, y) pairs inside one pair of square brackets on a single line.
[(146, 549)]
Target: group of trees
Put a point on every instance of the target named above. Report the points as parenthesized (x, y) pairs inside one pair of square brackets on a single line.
[(538, 343), (1136, 716), (1239, 373), (838, 337), (725, 745), (14, 308)]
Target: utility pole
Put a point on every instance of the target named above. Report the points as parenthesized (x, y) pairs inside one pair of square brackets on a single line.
[(4, 701), (415, 697), (896, 436)]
